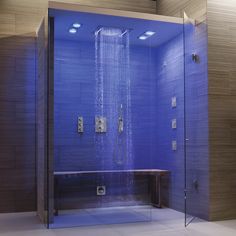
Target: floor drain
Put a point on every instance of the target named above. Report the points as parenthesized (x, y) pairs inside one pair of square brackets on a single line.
[(101, 190)]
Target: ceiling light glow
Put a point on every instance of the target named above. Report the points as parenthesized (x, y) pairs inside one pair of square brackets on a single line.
[(76, 25), (146, 35), (149, 33), (73, 30), (142, 37)]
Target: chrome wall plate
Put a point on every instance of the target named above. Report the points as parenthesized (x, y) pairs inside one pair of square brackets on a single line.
[(174, 145), (174, 124), (195, 58), (101, 190), (173, 102), (80, 124), (100, 124)]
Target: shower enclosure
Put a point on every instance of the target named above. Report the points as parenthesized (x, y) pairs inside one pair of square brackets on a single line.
[(114, 119)]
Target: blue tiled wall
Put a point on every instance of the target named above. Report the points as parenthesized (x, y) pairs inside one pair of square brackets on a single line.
[(157, 75), (17, 123), (75, 96), (170, 83)]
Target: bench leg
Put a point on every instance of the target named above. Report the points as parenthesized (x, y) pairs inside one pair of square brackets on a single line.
[(157, 192), (56, 197)]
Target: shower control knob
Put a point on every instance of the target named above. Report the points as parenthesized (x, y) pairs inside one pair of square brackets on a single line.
[(174, 145), (174, 102), (195, 58), (100, 124), (80, 125)]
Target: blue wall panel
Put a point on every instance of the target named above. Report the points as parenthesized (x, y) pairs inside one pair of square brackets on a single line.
[(75, 96), (170, 83), (157, 75)]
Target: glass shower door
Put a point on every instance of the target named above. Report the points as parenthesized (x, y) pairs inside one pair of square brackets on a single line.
[(196, 116)]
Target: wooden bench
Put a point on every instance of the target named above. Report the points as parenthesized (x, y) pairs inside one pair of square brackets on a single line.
[(156, 173)]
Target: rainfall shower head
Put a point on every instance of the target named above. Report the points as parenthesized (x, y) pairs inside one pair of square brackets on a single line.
[(110, 31)]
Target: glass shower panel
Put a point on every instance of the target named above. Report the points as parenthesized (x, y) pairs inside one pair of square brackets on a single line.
[(41, 102), (112, 81), (103, 95), (196, 113)]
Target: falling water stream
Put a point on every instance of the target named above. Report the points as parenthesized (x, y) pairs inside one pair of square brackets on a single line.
[(113, 101)]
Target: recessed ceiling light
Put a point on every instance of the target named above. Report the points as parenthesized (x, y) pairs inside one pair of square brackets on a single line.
[(146, 35), (142, 37), (76, 25), (149, 33), (72, 30)]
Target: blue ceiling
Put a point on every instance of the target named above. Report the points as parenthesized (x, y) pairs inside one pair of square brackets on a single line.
[(90, 22)]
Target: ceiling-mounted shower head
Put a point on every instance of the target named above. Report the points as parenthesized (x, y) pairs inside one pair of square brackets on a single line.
[(110, 31)]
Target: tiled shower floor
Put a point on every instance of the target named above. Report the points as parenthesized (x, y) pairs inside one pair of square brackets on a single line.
[(168, 223), (102, 216)]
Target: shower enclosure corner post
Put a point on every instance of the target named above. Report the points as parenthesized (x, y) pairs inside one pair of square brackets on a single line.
[(41, 121), (196, 105), (50, 123)]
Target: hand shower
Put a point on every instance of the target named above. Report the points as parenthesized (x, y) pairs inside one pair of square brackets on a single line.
[(121, 120), (119, 154)]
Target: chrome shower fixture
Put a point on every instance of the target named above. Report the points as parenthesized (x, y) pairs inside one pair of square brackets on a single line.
[(100, 124), (121, 125), (110, 31), (121, 120), (101, 190), (195, 58), (80, 124)]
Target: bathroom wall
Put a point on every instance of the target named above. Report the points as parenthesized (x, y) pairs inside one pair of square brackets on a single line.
[(170, 83), (195, 8), (171, 7), (41, 121), (17, 105), (75, 96), (17, 123), (222, 104), (147, 6)]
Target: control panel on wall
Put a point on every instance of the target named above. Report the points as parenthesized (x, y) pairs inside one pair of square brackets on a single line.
[(80, 124), (174, 102), (174, 123), (174, 145), (100, 124)]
